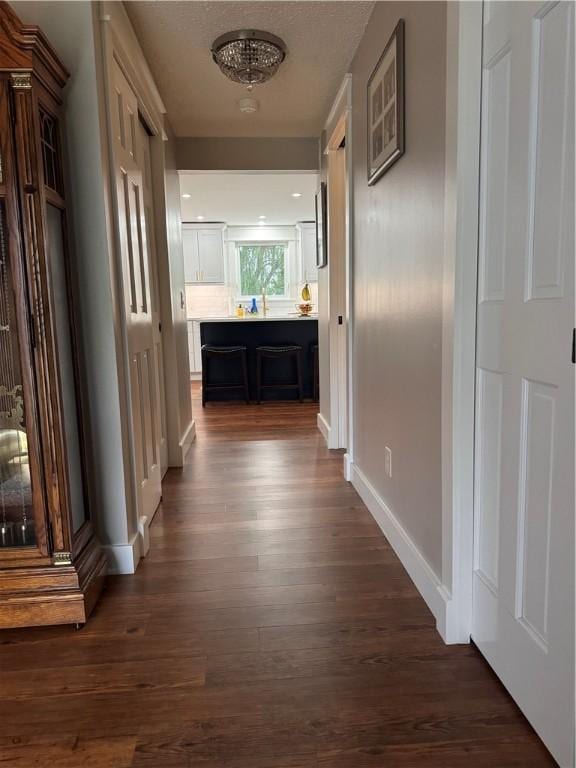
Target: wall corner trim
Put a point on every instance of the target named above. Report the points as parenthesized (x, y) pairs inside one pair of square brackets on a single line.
[(186, 441), (348, 467), (124, 558), (435, 594), (324, 428)]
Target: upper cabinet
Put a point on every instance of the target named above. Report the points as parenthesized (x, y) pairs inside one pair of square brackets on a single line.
[(203, 253), (307, 239)]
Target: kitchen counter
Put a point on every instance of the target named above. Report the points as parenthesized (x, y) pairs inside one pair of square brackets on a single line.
[(264, 331), (258, 318)]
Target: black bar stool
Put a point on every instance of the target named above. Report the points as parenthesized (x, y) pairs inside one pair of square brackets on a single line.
[(316, 374), (210, 352), (275, 353)]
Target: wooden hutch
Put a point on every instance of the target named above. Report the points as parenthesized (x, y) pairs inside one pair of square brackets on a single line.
[(51, 566)]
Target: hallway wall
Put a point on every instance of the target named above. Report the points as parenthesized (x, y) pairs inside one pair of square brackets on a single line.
[(216, 153), (398, 269)]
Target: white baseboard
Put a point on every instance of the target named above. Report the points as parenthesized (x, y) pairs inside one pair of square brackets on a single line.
[(426, 581), (348, 468), (144, 533), (187, 439), (324, 428), (124, 558)]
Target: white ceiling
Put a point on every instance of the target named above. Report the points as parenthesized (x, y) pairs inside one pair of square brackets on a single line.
[(241, 198), (176, 37)]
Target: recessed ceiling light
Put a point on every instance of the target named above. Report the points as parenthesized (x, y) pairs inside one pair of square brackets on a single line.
[(261, 217), (186, 195), (296, 194), (200, 218)]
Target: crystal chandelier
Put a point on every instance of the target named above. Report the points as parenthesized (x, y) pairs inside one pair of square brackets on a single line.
[(249, 56)]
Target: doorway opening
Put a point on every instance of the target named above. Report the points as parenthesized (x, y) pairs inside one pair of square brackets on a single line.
[(250, 250)]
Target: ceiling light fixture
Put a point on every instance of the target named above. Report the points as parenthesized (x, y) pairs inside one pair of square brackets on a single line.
[(248, 56), (261, 217), (186, 196), (296, 194), (200, 218)]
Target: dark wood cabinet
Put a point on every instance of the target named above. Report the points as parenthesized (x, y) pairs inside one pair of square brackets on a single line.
[(51, 566)]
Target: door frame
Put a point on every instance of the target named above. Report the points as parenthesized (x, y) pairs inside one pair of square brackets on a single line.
[(460, 263), (338, 126), (116, 46)]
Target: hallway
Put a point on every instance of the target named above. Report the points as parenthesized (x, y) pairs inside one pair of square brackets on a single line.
[(271, 626)]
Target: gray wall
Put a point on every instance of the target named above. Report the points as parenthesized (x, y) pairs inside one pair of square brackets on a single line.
[(398, 253), (242, 154), (70, 29)]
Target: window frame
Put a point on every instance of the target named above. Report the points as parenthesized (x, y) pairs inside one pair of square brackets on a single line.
[(264, 243)]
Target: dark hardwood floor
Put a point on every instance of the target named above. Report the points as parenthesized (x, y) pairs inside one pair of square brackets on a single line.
[(271, 626)]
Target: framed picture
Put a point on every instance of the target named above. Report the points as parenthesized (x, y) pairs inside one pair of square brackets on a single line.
[(385, 107), (322, 226)]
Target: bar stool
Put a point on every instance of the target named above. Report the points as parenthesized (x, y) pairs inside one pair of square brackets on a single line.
[(211, 352), (316, 374), (276, 353)]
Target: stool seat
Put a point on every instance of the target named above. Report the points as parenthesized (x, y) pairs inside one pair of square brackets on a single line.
[(277, 352), (221, 350), (213, 352)]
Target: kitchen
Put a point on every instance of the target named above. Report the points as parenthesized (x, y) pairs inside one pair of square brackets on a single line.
[(251, 251)]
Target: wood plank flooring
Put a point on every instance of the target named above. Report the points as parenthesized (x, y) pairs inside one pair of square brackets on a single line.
[(271, 626)]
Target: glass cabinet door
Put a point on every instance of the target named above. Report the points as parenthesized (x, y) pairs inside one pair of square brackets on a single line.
[(17, 527)]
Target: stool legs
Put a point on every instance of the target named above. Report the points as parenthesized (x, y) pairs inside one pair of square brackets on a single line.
[(300, 378), (205, 377), (258, 378), (277, 353), (316, 375), (238, 353), (245, 377)]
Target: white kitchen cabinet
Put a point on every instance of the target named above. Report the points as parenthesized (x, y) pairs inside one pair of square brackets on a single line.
[(194, 348), (307, 240), (203, 254), (197, 347), (191, 355), (190, 248)]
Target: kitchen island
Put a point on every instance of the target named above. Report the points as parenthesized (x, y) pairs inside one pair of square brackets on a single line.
[(266, 331)]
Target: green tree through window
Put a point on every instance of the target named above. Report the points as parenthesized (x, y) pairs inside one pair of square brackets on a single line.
[(262, 269)]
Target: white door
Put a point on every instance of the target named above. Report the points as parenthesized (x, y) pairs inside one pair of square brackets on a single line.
[(144, 160), (136, 271), (523, 620), (211, 255)]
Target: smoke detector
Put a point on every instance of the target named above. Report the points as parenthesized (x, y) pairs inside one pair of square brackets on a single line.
[(248, 105)]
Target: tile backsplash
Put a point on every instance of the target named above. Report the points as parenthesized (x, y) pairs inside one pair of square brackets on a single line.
[(204, 301), (208, 300)]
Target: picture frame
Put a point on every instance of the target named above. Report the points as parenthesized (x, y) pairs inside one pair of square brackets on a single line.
[(321, 203), (385, 107)]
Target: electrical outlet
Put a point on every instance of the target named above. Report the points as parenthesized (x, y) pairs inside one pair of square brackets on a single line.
[(388, 461)]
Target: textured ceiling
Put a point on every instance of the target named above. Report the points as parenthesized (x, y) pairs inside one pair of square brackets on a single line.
[(242, 198), (176, 37)]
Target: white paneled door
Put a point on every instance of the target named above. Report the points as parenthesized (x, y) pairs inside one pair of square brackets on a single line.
[(138, 283), (524, 477)]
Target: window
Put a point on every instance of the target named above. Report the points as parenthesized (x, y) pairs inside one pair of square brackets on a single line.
[(262, 268)]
